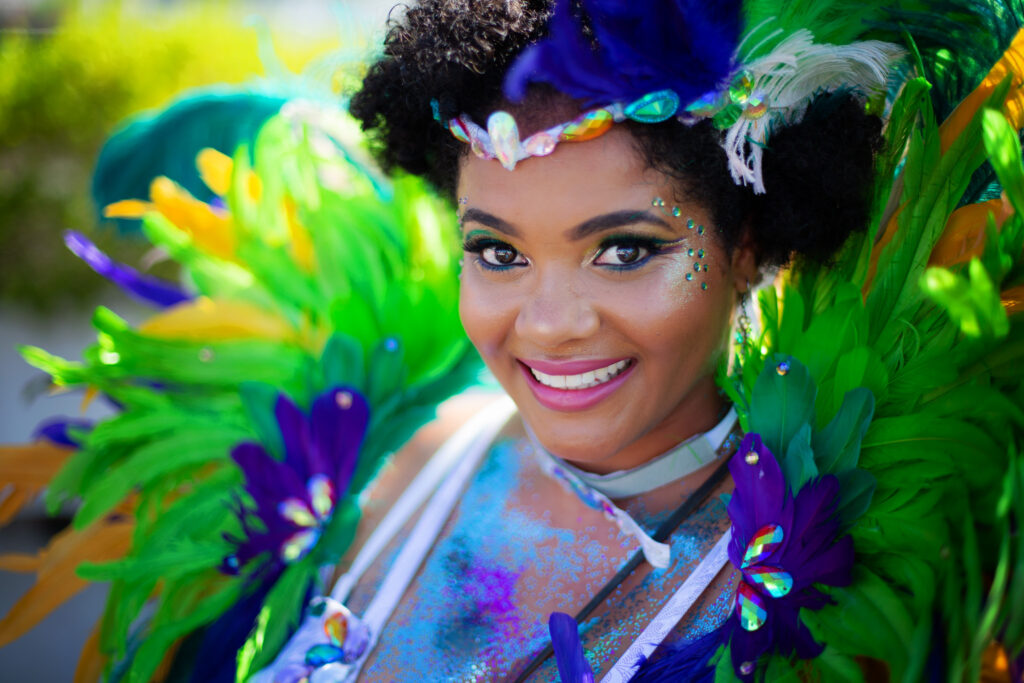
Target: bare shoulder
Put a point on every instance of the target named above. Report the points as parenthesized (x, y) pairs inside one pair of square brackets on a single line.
[(406, 463)]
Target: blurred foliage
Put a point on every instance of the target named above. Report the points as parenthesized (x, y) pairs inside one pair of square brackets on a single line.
[(63, 90)]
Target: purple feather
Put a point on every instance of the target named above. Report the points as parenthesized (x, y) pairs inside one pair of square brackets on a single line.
[(293, 499), (145, 288), (572, 664), (57, 431), (809, 553), (683, 662), (637, 48)]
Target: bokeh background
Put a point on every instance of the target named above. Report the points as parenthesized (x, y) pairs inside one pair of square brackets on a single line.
[(70, 74)]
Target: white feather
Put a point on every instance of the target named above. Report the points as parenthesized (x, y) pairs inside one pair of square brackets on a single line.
[(788, 78)]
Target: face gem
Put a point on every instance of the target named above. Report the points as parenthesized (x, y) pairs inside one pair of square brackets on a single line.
[(588, 126), (653, 107), (782, 368), (322, 654), (700, 253), (540, 144), (689, 277), (336, 628), (750, 607), (298, 544), (777, 582), (762, 545), (690, 224), (704, 286), (504, 137), (321, 493), (297, 512)]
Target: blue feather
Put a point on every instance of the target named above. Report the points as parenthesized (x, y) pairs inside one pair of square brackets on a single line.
[(638, 47), (684, 662), (572, 664)]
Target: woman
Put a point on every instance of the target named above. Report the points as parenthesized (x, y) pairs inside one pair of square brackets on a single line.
[(619, 191)]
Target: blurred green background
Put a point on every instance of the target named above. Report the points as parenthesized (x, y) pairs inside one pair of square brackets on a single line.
[(70, 72)]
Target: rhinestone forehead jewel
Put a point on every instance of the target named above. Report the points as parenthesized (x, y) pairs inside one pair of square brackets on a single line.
[(500, 140), (776, 87)]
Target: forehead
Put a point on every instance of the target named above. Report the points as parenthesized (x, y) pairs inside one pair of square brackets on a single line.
[(577, 181)]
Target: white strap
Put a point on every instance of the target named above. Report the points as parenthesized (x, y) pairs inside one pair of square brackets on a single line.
[(429, 526), (439, 465), (666, 619)]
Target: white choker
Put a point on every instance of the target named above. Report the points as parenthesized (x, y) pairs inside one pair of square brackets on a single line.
[(596, 490)]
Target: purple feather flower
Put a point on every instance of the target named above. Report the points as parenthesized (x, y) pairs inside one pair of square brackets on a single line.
[(782, 545), (641, 47), (573, 666), (295, 498), (145, 288)]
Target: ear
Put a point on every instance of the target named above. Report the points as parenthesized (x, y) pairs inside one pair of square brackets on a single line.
[(745, 271)]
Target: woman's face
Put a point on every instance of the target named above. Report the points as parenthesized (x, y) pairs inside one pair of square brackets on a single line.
[(601, 313)]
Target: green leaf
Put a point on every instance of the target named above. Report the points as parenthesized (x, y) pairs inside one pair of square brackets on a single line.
[(342, 362), (798, 466), (973, 304), (259, 401), (1003, 148), (175, 452), (281, 612), (386, 372), (856, 488), (837, 447), (337, 536), (781, 403)]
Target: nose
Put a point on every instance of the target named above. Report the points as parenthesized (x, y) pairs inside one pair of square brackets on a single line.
[(555, 312)]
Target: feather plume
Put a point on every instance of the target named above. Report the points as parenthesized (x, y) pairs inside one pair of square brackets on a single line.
[(57, 580), (26, 470), (637, 48), (788, 78)]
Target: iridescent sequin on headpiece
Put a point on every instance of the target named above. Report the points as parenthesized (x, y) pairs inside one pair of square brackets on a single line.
[(653, 61)]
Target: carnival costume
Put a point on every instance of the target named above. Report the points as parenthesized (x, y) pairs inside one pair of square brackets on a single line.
[(879, 489)]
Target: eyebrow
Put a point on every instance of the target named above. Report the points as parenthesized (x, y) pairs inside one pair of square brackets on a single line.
[(490, 220), (615, 219)]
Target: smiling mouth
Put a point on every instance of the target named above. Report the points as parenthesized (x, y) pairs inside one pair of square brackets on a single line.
[(584, 380)]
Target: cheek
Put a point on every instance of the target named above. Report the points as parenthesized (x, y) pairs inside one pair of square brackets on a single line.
[(679, 325), (486, 316)]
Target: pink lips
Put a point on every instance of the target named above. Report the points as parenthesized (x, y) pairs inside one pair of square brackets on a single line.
[(572, 400)]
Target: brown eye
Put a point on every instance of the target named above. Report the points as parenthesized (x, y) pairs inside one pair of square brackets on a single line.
[(504, 255), (501, 256), (627, 254)]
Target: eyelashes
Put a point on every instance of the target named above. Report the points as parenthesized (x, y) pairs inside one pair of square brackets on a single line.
[(615, 253)]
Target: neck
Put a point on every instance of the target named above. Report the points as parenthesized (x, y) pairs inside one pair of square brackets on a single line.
[(698, 412)]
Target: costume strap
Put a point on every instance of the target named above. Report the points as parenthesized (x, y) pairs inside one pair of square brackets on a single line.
[(669, 615), (412, 498), (429, 526)]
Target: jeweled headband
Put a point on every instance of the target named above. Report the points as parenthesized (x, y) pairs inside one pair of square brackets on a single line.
[(649, 58)]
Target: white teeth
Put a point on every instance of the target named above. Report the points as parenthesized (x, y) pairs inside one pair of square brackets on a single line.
[(582, 381)]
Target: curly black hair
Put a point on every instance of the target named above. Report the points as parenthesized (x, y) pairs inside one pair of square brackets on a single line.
[(817, 173)]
